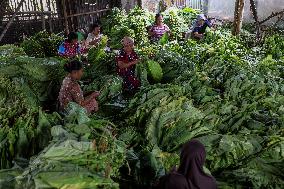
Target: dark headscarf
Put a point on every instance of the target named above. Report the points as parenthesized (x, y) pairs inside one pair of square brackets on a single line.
[(190, 174), (192, 159)]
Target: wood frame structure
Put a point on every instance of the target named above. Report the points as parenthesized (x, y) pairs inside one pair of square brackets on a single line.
[(31, 16)]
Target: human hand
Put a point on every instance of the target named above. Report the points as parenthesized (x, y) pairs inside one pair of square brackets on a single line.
[(96, 93)]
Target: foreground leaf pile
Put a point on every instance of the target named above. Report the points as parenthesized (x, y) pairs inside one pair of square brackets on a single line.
[(220, 90)]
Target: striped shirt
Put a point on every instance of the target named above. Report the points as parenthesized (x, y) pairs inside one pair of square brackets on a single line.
[(159, 31)]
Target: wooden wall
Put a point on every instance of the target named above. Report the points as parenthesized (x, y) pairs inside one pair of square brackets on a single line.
[(51, 15)]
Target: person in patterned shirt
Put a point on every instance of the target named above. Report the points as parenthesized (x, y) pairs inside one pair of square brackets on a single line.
[(70, 48), (71, 91), (159, 28), (126, 61)]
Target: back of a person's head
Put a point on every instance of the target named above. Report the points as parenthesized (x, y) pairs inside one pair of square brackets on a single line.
[(72, 36), (192, 160), (73, 65)]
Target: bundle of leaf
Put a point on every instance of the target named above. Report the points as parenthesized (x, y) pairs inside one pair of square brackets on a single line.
[(42, 44), (154, 71)]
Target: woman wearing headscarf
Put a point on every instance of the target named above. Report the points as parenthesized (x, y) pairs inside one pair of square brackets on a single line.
[(198, 29), (126, 61), (200, 26), (71, 91), (159, 28), (190, 174)]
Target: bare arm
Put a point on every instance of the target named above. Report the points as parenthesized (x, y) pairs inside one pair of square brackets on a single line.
[(196, 34), (123, 65)]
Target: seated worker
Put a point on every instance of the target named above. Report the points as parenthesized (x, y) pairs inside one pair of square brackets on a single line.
[(126, 61), (71, 91), (70, 48), (158, 29), (200, 26), (190, 174), (95, 36)]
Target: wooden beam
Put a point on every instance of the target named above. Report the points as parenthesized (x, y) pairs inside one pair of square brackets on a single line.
[(42, 15), (86, 13), (238, 17), (65, 16), (11, 20), (272, 16), (31, 12)]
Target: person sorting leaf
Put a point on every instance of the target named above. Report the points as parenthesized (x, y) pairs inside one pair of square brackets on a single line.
[(190, 174), (199, 28), (70, 48), (71, 91), (126, 61), (159, 28), (95, 36)]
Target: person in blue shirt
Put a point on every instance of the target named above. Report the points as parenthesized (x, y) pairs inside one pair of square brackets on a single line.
[(200, 26)]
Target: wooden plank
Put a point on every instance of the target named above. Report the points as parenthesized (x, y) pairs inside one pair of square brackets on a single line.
[(65, 17), (86, 13), (49, 16), (11, 20)]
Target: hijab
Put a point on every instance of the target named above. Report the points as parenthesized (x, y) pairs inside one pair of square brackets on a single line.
[(190, 174), (192, 160), (199, 17)]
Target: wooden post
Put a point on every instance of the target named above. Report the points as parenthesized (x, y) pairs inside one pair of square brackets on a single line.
[(139, 2), (42, 15), (255, 17), (11, 20), (49, 16), (239, 11), (65, 16)]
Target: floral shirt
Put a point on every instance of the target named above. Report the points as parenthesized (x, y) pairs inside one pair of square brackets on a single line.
[(70, 50), (70, 92), (125, 58)]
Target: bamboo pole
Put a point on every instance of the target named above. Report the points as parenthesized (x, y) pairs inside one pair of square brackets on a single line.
[(65, 16), (238, 18), (86, 13), (42, 15), (11, 20), (49, 16)]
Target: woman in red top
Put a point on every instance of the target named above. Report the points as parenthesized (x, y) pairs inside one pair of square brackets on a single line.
[(71, 91), (70, 48), (126, 61), (159, 28)]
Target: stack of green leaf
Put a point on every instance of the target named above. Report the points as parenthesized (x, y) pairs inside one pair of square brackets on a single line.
[(109, 87), (230, 100), (42, 45), (80, 156), (40, 78), (23, 124)]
